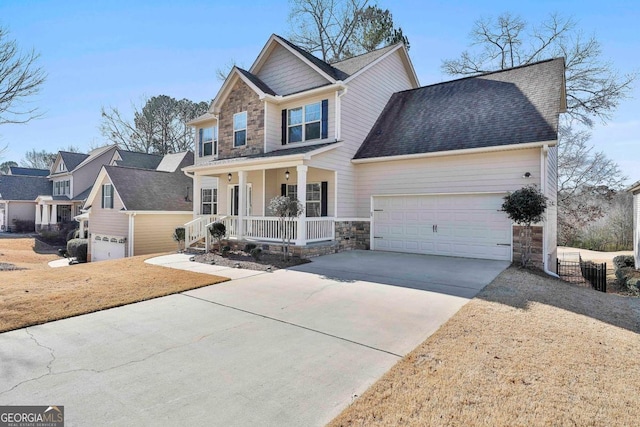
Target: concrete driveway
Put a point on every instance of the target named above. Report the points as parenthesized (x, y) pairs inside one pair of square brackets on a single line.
[(293, 347)]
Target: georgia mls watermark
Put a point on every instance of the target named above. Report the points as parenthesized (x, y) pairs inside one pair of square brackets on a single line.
[(32, 416)]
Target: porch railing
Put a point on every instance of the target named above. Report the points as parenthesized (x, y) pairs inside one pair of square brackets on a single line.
[(319, 229), (268, 228), (261, 228)]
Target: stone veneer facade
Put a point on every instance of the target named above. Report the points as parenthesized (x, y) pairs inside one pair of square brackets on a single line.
[(242, 98), (536, 246)]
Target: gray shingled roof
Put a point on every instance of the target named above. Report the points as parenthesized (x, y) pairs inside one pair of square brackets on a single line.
[(147, 190), (513, 106), (257, 81), (21, 187), (138, 160), (352, 65), (15, 170), (71, 160)]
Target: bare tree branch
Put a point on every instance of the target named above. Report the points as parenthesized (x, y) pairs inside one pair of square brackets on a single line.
[(594, 87), (20, 78)]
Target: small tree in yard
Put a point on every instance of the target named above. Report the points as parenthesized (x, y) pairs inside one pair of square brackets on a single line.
[(286, 209), (218, 231), (179, 236), (524, 207)]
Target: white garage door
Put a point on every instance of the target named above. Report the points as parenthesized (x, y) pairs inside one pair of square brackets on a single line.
[(107, 247), (469, 226)]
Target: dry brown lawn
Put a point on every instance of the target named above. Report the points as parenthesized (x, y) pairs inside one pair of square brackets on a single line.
[(528, 351), (42, 294)]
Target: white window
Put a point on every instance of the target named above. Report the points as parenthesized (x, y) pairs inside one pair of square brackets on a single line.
[(313, 205), (67, 187), (107, 196), (209, 201), (304, 123), (209, 141), (240, 129)]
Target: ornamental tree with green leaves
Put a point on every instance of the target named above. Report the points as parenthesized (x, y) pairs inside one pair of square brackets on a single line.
[(286, 209), (525, 207)]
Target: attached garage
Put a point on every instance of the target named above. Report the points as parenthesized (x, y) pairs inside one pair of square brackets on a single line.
[(462, 225), (107, 247)]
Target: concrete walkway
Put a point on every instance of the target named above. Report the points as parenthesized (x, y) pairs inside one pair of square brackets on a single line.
[(288, 348)]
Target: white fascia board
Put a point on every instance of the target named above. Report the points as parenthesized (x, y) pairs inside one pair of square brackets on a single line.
[(279, 99), (239, 163), (635, 187), (227, 86), (457, 152), (94, 188)]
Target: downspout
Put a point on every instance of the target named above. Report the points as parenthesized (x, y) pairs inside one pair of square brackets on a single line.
[(131, 233), (339, 95), (543, 180)]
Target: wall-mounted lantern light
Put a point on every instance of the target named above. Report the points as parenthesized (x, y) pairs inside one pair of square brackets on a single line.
[(286, 175), (527, 175), (229, 177)]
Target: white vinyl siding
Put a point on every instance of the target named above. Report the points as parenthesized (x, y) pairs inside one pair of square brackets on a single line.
[(551, 225), (285, 73), (361, 105), (636, 228), (273, 125), (471, 173)]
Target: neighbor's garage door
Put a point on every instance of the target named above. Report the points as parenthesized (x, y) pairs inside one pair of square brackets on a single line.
[(470, 226), (103, 248)]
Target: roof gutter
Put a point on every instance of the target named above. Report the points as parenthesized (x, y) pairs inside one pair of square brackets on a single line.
[(492, 149), (278, 99)]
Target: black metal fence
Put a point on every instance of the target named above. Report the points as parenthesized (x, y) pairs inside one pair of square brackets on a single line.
[(584, 273)]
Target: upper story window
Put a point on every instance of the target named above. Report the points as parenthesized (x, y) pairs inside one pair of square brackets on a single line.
[(208, 141), (62, 188), (61, 167), (240, 129), (107, 196), (306, 123)]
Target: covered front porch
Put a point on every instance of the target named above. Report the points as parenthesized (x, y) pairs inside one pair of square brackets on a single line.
[(54, 212), (239, 198)]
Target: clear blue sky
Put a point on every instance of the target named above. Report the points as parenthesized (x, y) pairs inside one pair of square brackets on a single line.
[(113, 53)]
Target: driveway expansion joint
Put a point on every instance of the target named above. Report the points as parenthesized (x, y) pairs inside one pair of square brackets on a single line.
[(294, 325)]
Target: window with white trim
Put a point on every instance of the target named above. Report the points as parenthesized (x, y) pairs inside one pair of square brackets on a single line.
[(107, 196), (209, 201), (62, 188), (313, 205), (208, 142), (304, 123), (240, 129)]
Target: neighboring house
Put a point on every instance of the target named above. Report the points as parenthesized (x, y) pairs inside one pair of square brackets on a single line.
[(378, 162), (71, 176), (17, 195), (15, 170), (635, 190), (134, 211)]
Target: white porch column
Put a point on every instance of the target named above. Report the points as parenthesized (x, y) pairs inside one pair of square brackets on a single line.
[(54, 214), (81, 228), (38, 215), (242, 202), (197, 195), (302, 197), (45, 215)]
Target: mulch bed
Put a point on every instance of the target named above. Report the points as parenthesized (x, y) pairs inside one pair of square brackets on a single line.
[(240, 259)]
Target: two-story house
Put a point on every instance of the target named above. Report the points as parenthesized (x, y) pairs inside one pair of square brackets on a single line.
[(378, 162), (72, 176)]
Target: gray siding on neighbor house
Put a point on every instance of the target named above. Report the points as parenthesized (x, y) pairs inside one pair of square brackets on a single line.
[(285, 73), (84, 177)]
